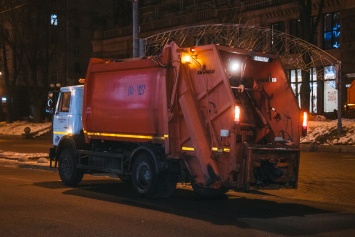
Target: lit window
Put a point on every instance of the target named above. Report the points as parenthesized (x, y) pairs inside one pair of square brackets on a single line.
[(331, 31), (329, 73), (330, 93), (295, 78), (54, 19)]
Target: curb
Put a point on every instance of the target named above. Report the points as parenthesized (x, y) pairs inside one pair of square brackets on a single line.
[(11, 137), (30, 163), (303, 147), (30, 135), (34, 134), (36, 166), (327, 148)]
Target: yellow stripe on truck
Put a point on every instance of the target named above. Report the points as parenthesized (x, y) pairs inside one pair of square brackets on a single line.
[(60, 133), (122, 135), (185, 148)]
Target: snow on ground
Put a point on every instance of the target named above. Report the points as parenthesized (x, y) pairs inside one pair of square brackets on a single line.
[(324, 132), (24, 157), (320, 131), (17, 128)]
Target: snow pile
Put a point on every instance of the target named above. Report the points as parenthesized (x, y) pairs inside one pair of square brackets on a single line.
[(325, 132), (18, 127), (320, 130), (23, 157)]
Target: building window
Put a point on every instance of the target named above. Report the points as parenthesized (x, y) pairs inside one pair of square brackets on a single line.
[(313, 85), (331, 31), (277, 47), (330, 93), (295, 28), (54, 19), (295, 77), (279, 26)]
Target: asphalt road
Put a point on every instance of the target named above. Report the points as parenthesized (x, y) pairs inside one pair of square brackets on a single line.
[(35, 203), (41, 144)]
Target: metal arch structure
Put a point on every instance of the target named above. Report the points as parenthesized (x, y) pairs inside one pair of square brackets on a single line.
[(294, 52)]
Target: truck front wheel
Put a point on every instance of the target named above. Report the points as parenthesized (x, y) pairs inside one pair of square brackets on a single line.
[(144, 176), (69, 174)]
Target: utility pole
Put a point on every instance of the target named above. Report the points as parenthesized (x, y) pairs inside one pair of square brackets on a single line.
[(339, 85), (135, 28)]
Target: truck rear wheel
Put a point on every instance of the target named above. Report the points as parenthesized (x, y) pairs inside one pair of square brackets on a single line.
[(144, 176), (69, 174)]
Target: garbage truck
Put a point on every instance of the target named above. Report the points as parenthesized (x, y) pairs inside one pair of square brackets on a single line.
[(219, 117)]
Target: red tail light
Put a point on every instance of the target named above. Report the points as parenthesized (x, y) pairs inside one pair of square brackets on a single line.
[(237, 114), (304, 124)]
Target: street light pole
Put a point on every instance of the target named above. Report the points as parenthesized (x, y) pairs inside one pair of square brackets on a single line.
[(339, 85), (135, 28)]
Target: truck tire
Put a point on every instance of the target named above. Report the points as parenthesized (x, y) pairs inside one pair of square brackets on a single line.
[(144, 176), (69, 174)]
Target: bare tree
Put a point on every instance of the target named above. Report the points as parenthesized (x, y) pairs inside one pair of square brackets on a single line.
[(28, 32), (5, 68)]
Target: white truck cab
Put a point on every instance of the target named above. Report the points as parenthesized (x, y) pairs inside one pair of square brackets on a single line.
[(68, 112)]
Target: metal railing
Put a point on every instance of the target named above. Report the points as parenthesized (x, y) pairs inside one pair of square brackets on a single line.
[(294, 52)]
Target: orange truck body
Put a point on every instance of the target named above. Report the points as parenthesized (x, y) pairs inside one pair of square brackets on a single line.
[(230, 128)]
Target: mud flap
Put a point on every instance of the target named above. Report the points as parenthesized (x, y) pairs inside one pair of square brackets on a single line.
[(271, 168)]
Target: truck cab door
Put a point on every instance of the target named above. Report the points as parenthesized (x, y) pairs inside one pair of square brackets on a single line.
[(61, 117)]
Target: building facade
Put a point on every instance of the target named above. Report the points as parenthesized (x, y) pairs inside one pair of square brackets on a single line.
[(334, 33), (103, 28)]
